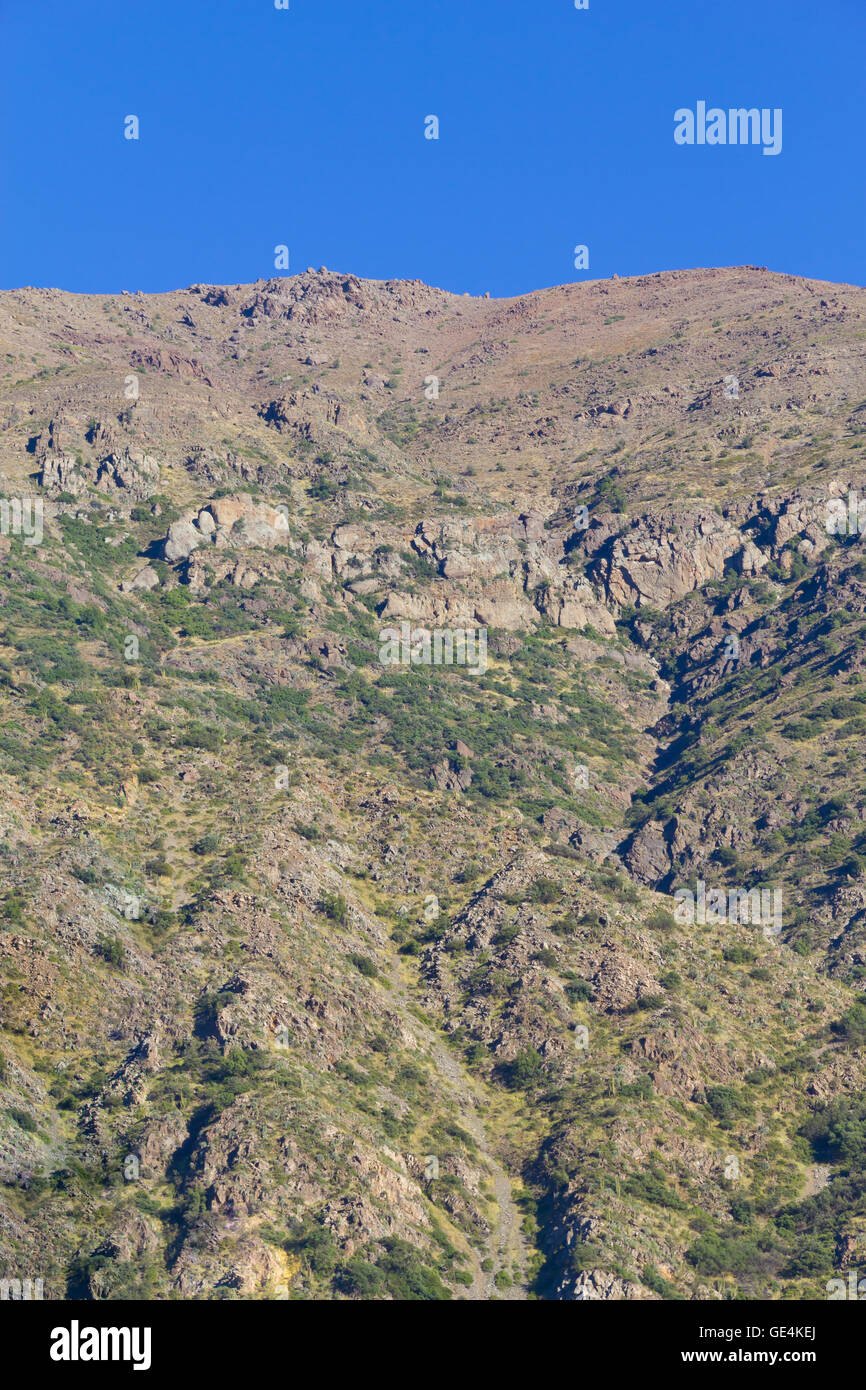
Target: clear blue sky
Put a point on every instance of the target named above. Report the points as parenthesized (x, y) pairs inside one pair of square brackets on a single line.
[(306, 127)]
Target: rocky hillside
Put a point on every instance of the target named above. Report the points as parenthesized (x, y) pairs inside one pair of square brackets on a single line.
[(333, 974)]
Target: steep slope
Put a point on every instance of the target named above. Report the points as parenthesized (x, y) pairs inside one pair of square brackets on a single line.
[(329, 975)]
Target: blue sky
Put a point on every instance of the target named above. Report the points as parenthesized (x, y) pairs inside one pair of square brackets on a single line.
[(305, 127)]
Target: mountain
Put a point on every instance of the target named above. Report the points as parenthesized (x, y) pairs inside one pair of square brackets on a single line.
[(335, 966)]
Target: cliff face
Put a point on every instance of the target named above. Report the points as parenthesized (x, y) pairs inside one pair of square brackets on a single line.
[(327, 974)]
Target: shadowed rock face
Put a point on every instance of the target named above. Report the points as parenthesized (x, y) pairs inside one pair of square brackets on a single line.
[(335, 976)]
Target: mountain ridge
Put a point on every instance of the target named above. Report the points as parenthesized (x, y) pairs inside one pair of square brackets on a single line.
[(375, 971)]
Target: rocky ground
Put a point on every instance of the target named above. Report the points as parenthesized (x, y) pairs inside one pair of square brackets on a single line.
[(326, 978)]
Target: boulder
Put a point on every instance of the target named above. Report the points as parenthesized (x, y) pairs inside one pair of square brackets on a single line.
[(145, 579), (182, 539)]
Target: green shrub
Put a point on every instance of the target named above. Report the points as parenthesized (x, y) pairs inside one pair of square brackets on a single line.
[(663, 1287), (545, 890), (506, 934), (335, 907), (837, 1132), (315, 1246), (565, 926), (399, 1272), (646, 1002), (726, 855), (661, 920), (727, 1105), (365, 965), (525, 1071), (23, 1119), (713, 1254), (13, 909), (851, 1027), (652, 1186), (158, 867), (546, 957), (738, 955), (111, 950)]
